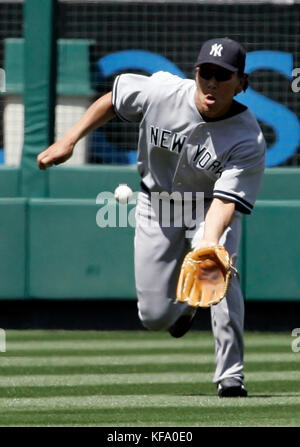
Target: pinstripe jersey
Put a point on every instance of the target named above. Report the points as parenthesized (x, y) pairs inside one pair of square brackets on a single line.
[(178, 150)]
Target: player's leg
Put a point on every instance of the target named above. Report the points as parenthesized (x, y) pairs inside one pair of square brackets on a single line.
[(227, 317), (227, 324), (159, 252)]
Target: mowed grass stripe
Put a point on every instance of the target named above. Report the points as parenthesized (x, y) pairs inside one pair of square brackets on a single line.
[(58, 335), (141, 368), (196, 350), (96, 379), (139, 359), (143, 402), (156, 416), (144, 391), (104, 346), (255, 389), (142, 344), (130, 345)]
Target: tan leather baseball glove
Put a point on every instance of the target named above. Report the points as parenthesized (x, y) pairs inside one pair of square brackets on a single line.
[(205, 276)]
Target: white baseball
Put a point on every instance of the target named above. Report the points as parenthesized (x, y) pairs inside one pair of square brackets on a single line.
[(123, 193)]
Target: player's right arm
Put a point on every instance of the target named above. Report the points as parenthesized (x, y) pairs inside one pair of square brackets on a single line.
[(99, 113)]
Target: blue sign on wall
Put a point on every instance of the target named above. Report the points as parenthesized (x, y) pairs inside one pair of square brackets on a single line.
[(284, 122)]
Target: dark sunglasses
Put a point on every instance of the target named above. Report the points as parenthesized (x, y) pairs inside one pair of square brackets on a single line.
[(220, 74)]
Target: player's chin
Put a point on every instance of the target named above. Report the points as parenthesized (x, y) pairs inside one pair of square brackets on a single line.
[(215, 110), (211, 111)]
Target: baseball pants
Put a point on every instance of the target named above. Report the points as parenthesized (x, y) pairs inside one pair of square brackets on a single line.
[(159, 252)]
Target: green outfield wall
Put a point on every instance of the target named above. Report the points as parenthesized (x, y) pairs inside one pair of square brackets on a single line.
[(71, 257), (52, 247), (271, 253), (13, 247)]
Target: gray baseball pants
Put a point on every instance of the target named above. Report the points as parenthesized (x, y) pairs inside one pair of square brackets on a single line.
[(159, 252)]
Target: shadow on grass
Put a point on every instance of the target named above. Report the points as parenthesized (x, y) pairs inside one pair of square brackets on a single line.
[(270, 395), (250, 396), (263, 396)]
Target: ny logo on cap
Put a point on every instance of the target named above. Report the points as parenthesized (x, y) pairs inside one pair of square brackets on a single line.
[(216, 49)]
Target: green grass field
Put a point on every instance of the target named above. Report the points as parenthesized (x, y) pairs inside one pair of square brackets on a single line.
[(94, 378)]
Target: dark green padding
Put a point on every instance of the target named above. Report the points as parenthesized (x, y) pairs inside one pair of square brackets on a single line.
[(12, 248), (73, 66), (39, 91), (272, 251), (71, 257), (280, 184), (87, 181), (9, 181), (14, 65)]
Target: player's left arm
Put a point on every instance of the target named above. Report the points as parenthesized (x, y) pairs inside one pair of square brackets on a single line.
[(218, 218)]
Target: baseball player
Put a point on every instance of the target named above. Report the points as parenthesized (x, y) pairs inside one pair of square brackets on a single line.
[(193, 137)]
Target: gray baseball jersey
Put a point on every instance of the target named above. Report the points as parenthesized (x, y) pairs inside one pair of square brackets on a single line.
[(179, 151)]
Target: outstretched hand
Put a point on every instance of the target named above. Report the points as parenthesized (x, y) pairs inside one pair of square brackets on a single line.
[(55, 154)]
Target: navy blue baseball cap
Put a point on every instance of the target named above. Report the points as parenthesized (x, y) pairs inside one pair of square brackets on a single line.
[(225, 52)]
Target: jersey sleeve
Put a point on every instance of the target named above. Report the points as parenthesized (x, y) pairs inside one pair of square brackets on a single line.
[(241, 178), (129, 95)]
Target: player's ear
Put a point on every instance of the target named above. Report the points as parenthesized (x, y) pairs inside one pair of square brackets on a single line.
[(246, 82), (243, 83)]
